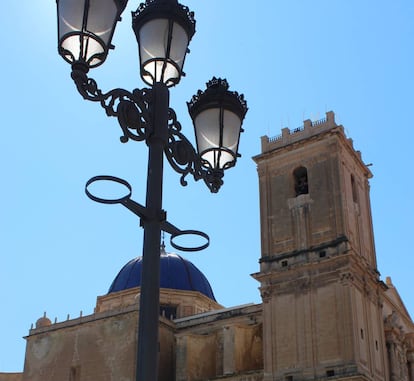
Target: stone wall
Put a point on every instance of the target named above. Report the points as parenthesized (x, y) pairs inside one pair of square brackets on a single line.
[(11, 376)]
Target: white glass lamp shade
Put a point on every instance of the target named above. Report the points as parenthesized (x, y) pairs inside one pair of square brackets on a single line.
[(163, 29), (217, 116), (217, 134), (85, 29), (162, 51)]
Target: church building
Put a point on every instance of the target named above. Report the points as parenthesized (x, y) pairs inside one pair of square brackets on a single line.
[(325, 312)]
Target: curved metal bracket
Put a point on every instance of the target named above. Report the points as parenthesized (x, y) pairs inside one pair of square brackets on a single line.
[(131, 109), (184, 159), (142, 212)]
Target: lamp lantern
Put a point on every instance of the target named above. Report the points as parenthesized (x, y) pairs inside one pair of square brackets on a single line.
[(217, 115), (85, 29), (163, 29)]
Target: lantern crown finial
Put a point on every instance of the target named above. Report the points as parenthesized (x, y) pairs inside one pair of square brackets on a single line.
[(217, 90), (164, 9), (218, 82)]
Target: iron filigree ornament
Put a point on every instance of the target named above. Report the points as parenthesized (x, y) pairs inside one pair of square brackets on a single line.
[(131, 108), (134, 113), (184, 159)]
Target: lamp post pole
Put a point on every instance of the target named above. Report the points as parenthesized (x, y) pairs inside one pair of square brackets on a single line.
[(147, 355), (163, 29)]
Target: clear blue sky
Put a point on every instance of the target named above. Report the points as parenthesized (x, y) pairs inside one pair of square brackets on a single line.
[(293, 60)]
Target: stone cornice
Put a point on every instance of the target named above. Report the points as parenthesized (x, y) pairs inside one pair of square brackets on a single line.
[(294, 253)]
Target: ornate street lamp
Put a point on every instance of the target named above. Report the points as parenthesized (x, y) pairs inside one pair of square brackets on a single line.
[(163, 29)]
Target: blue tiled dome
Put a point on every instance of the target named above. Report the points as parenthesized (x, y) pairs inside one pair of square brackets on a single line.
[(175, 273)]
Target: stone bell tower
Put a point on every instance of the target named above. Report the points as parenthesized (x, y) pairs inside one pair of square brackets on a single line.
[(319, 282)]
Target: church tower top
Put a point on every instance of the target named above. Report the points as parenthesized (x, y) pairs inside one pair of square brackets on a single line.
[(308, 130), (314, 191)]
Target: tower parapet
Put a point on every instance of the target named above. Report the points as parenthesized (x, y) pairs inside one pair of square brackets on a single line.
[(308, 129)]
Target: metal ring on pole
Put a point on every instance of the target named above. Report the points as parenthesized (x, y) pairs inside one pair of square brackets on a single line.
[(105, 200), (190, 232)]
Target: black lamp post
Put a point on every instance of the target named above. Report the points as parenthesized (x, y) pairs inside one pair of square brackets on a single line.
[(163, 29)]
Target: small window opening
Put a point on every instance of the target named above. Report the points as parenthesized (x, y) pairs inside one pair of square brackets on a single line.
[(376, 345), (330, 373), (362, 334), (322, 254), (289, 378), (354, 189), (169, 312), (301, 181), (284, 263)]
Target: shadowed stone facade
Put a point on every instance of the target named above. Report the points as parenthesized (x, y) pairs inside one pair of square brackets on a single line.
[(11, 376), (326, 314)]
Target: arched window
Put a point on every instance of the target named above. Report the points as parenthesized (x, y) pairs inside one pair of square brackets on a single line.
[(300, 176)]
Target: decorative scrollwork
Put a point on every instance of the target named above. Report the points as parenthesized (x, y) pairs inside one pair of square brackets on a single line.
[(134, 113), (131, 109), (179, 151), (184, 159)]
